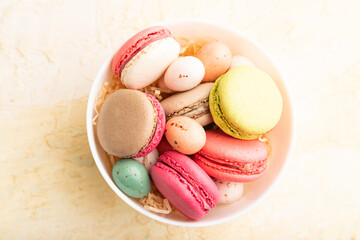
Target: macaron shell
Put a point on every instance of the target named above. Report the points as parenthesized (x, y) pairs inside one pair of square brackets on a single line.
[(150, 63), (223, 172), (135, 44), (194, 174), (221, 146), (232, 159), (187, 187), (219, 118), (178, 101), (246, 102), (159, 130), (121, 130), (177, 191), (181, 103)]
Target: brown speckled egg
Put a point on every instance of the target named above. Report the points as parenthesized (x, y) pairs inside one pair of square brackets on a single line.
[(185, 135), (216, 58)]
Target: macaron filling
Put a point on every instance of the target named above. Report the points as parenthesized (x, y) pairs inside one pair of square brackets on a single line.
[(220, 119), (139, 45), (198, 112), (208, 201), (225, 165), (193, 111)]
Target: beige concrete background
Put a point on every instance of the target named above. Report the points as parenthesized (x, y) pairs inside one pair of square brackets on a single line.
[(50, 52)]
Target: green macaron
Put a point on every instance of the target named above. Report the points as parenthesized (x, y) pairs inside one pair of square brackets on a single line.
[(245, 102)]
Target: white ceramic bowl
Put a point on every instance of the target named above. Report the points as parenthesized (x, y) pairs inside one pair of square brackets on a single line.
[(281, 137)]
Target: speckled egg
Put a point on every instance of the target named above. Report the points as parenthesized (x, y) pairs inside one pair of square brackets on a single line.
[(149, 160), (185, 135), (184, 74), (131, 178), (240, 61), (229, 191), (216, 58)]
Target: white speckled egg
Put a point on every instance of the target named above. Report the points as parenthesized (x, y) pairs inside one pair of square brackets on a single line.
[(149, 160), (184, 74), (229, 191), (240, 61)]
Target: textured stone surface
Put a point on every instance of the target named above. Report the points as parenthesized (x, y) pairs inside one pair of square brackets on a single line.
[(50, 52)]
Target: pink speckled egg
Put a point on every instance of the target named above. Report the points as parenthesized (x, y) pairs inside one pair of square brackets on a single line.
[(185, 135), (229, 191), (216, 58), (184, 74)]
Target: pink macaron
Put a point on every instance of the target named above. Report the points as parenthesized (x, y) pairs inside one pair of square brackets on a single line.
[(159, 129), (232, 159), (144, 57), (187, 187)]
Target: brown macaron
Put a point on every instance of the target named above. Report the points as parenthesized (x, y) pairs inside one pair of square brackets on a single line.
[(193, 103), (127, 123)]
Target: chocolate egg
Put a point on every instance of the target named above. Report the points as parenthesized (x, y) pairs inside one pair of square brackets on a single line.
[(131, 178), (184, 74), (185, 134), (216, 58)]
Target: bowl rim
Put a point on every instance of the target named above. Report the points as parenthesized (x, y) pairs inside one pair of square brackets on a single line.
[(91, 137)]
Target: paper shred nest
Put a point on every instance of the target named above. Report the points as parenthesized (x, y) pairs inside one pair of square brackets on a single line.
[(156, 202)]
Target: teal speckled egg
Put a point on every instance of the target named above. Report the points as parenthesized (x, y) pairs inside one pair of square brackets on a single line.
[(131, 178)]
